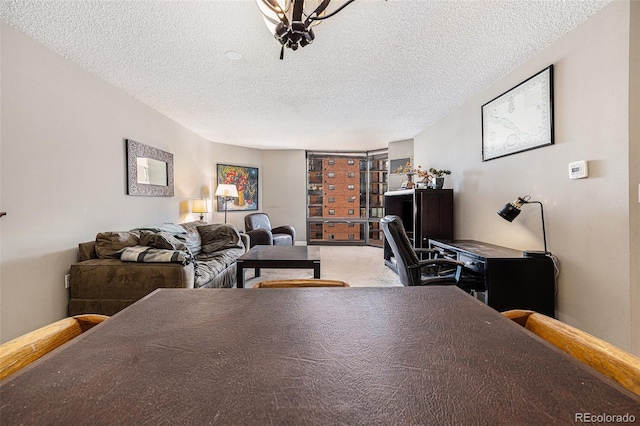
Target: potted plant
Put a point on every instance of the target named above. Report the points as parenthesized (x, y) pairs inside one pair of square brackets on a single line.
[(438, 177)]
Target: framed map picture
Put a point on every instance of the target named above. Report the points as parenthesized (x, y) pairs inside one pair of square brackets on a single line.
[(246, 181), (520, 119)]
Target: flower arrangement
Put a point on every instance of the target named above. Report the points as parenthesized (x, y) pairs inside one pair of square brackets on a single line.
[(431, 177), (408, 169)]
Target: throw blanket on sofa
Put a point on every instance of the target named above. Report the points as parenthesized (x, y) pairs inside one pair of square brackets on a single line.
[(148, 254)]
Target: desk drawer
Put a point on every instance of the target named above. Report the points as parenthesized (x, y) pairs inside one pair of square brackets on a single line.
[(472, 263), (447, 254)]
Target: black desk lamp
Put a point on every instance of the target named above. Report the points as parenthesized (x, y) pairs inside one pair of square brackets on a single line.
[(511, 210)]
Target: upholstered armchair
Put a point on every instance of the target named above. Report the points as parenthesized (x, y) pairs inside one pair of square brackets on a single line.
[(258, 227)]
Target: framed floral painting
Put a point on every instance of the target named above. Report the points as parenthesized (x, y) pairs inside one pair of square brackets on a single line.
[(246, 181)]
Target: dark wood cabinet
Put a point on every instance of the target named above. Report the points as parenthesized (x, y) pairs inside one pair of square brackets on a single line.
[(425, 213)]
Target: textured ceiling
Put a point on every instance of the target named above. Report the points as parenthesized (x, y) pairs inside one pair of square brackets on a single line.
[(377, 72)]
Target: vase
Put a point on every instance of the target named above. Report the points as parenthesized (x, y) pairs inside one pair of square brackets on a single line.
[(438, 183), (410, 183), (423, 184), (240, 201)]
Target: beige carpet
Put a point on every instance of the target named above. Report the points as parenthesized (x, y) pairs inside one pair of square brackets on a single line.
[(360, 266)]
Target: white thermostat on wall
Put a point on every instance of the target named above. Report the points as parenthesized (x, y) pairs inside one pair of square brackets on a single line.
[(578, 169)]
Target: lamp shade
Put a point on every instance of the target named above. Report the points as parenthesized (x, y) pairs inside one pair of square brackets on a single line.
[(226, 190), (269, 9), (199, 206), (511, 210)]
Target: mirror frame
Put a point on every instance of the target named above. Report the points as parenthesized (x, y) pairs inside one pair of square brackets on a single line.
[(135, 150)]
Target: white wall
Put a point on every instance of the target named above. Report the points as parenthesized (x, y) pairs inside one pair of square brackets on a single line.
[(587, 219), (63, 174), (285, 189), (282, 185), (397, 150)]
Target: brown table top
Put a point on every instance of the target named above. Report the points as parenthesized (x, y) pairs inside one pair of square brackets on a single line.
[(405, 355), (278, 253)]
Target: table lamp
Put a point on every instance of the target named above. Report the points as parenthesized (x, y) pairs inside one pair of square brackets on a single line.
[(227, 192), (511, 210), (200, 206)]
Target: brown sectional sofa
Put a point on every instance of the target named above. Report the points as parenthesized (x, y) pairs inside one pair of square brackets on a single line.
[(119, 268)]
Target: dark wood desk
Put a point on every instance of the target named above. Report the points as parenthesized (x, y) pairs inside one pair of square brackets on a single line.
[(278, 257), (388, 356), (502, 277)]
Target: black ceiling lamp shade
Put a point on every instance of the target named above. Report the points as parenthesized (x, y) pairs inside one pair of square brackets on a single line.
[(511, 210), (291, 24)]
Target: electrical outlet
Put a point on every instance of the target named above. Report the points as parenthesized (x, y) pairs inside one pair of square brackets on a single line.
[(66, 280)]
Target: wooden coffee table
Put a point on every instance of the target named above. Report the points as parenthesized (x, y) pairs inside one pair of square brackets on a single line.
[(278, 257)]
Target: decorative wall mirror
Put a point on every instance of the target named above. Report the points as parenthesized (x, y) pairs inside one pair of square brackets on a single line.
[(149, 170)]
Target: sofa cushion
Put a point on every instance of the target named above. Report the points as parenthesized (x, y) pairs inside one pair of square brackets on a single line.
[(219, 236), (282, 240), (162, 240), (170, 228), (147, 238), (109, 243), (211, 265), (192, 237), (154, 255)]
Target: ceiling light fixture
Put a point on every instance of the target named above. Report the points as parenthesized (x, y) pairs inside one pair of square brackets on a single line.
[(291, 24), (233, 55)]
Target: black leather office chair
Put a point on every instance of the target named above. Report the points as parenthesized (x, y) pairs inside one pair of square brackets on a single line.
[(411, 270), (258, 227)]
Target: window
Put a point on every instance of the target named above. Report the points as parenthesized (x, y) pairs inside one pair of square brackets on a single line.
[(341, 186)]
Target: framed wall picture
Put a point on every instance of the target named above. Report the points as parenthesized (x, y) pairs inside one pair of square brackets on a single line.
[(246, 181), (520, 119), (398, 163), (149, 170)]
